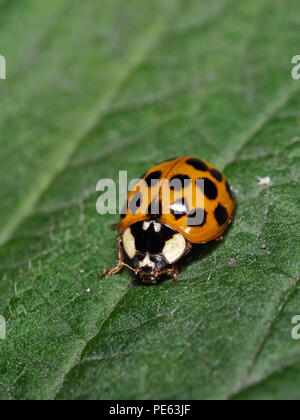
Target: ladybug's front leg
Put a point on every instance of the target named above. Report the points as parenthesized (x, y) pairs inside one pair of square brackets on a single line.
[(175, 272), (171, 272), (111, 271)]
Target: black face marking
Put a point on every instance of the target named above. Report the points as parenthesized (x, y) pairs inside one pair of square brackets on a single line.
[(221, 215), (153, 178), (179, 181), (197, 217), (208, 188), (197, 164), (135, 203), (230, 193), (135, 262), (216, 174), (147, 269), (154, 210), (149, 240), (124, 210), (179, 208)]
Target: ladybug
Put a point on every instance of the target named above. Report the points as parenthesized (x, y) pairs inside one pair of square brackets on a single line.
[(177, 203)]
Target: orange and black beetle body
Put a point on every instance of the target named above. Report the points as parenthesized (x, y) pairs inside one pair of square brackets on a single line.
[(177, 203)]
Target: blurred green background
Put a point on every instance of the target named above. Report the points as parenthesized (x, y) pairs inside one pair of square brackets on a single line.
[(101, 86)]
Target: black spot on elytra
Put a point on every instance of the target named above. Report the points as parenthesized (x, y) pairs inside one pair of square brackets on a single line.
[(216, 174), (208, 188), (182, 209), (197, 217), (135, 203), (179, 181), (221, 215), (124, 210), (197, 164), (230, 193), (149, 240), (154, 210), (153, 178)]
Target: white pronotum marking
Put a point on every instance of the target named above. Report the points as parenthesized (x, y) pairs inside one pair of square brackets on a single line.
[(146, 225), (157, 227), (174, 248), (129, 243)]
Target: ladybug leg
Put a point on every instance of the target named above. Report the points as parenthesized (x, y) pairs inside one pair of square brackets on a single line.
[(170, 271), (175, 272), (188, 247), (120, 264)]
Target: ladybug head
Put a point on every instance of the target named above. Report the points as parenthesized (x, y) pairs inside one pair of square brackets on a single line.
[(149, 267), (153, 248)]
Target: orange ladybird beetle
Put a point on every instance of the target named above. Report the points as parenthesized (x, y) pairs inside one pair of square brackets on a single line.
[(177, 203)]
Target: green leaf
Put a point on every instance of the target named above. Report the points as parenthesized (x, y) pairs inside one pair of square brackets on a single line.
[(97, 87)]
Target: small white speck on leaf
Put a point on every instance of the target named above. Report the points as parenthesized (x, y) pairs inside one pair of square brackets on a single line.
[(231, 262), (264, 181), (88, 290), (81, 271)]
